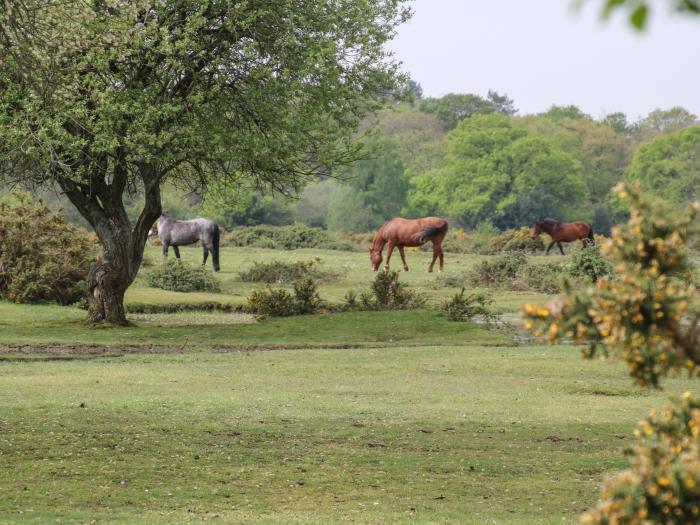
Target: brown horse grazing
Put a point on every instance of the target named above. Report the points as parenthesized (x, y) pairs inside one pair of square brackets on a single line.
[(398, 233), (564, 232)]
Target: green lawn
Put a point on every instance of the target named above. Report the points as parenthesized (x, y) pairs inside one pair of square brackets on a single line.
[(397, 435), (367, 417)]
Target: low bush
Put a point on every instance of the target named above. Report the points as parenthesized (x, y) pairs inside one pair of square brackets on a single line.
[(467, 307), (42, 257), (291, 237), (286, 272), (499, 271), (385, 293), (545, 278), (590, 264), (178, 276), (271, 302)]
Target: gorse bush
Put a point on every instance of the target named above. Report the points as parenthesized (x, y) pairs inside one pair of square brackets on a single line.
[(270, 302), (290, 237), (178, 276), (42, 258), (646, 318), (286, 272), (466, 307), (515, 241)]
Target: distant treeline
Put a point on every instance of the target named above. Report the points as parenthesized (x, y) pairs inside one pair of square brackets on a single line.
[(475, 161)]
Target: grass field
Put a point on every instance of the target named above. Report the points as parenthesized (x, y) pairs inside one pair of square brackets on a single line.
[(364, 417)]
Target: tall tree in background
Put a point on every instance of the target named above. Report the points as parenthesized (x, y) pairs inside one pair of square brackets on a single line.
[(669, 165), (107, 98), (374, 190), (496, 170)]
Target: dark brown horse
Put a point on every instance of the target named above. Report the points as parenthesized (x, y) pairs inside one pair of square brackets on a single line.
[(398, 233), (564, 232)]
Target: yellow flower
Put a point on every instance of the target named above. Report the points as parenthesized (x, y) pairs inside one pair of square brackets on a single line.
[(664, 482)]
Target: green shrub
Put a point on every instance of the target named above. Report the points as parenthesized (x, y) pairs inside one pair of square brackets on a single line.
[(590, 264), (545, 278), (178, 276), (286, 272), (291, 237), (166, 308), (499, 271), (385, 293), (466, 307), (42, 258), (271, 302)]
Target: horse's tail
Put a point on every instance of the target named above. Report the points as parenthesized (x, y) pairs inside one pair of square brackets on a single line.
[(431, 232), (215, 251), (590, 233)]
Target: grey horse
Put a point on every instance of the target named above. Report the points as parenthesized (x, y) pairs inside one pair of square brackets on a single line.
[(173, 232)]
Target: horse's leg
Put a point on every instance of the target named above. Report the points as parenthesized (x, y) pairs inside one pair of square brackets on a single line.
[(165, 249), (437, 245), (177, 251), (389, 249), (435, 256), (549, 248), (403, 258), (206, 254), (561, 249)]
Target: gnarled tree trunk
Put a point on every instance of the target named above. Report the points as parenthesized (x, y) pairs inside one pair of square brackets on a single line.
[(122, 244)]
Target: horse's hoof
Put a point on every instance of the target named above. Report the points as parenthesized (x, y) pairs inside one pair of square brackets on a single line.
[(405, 268)]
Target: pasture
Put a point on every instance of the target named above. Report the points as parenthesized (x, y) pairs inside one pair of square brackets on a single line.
[(368, 417)]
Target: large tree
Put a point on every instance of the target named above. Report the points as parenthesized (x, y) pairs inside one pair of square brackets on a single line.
[(669, 165), (103, 98), (498, 171)]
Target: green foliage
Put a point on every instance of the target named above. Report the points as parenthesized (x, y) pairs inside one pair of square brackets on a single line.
[(290, 237), (286, 272), (270, 302), (589, 264), (496, 170), (669, 165), (42, 258), (638, 10), (466, 307), (453, 108), (546, 277), (313, 206), (178, 276), (559, 113), (499, 271)]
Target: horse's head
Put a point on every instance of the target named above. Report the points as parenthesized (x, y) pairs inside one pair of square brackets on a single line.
[(536, 230), (376, 257)]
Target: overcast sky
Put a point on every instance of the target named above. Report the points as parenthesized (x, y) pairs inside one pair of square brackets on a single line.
[(543, 52)]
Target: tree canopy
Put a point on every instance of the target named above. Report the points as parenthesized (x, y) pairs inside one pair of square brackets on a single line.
[(669, 165)]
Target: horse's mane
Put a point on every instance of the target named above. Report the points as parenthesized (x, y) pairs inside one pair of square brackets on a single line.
[(550, 222)]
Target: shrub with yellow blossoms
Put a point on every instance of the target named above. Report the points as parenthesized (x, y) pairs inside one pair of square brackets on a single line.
[(643, 315), (640, 313)]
